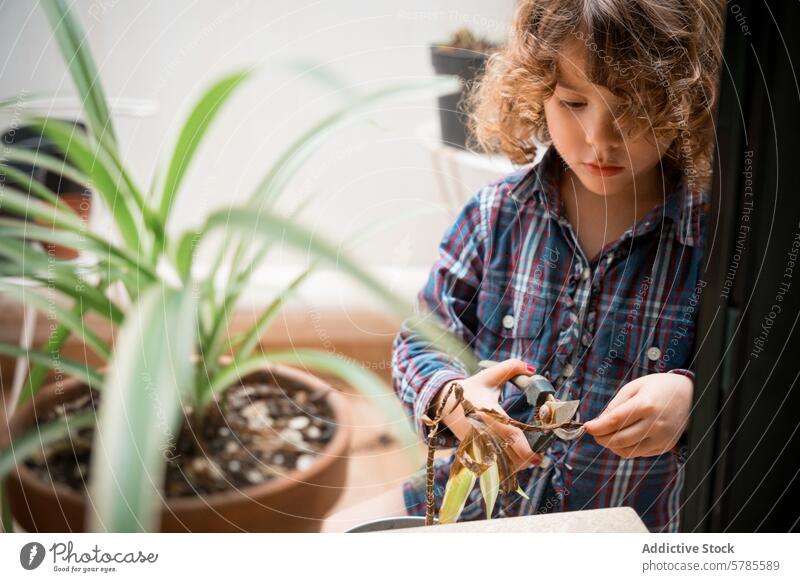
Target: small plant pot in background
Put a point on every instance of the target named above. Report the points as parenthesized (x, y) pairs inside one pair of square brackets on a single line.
[(464, 56), (78, 199), (297, 501), (466, 65)]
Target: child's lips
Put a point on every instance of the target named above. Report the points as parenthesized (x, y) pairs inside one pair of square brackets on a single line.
[(604, 170)]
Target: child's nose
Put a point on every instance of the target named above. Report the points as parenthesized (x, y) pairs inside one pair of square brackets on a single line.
[(602, 133)]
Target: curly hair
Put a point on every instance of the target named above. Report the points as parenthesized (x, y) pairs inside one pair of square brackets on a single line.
[(660, 57)]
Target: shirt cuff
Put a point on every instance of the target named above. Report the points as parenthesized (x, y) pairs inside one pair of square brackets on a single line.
[(681, 450), (683, 372), (445, 439)]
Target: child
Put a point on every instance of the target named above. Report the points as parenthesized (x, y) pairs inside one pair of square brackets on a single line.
[(587, 266)]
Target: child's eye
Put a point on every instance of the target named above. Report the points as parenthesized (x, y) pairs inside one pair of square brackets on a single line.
[(572, 104)]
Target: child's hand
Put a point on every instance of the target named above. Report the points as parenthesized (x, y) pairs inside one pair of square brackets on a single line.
[(482, 390), (646, 417)]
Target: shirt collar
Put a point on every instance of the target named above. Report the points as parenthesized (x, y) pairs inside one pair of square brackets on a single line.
[(682, 207)]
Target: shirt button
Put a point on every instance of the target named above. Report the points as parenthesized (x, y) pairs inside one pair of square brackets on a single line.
[(568, 370), (586, 339), (586, 273), (508, 321), (653, 354)]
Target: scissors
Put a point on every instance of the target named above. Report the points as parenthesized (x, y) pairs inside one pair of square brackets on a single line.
[(547, 409)]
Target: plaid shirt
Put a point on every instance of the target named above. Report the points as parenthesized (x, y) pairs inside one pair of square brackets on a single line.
[(512, 281)]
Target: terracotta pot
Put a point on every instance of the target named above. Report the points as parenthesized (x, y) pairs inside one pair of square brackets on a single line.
[(297, 502)]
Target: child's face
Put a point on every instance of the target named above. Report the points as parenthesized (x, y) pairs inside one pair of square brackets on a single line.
[(580, 119)]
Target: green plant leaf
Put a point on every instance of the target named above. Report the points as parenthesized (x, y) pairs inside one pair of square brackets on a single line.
[(109, 181), (184, 253), (33, 187), (233, 290), (80, 240), (73, 368), (214, 344), (28, 296), (272, 227), (110, 157), (191, 135), (297, 155), (150, 374), (23, 446), (55, 341), (45, 161), (25, 261), (72, 41), (248, 342), (31, 208), (456, 493), (489, 482)]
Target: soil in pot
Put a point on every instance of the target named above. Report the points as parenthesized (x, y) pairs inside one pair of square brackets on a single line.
[(254, 433), (465, 39)]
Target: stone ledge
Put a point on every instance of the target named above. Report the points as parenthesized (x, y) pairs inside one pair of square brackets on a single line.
[(610, 520)]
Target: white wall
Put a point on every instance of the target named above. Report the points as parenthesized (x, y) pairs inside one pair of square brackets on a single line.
[(169, 51)]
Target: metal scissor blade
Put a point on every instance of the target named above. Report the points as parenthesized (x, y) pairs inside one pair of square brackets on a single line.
[(569, 434), (563, 411)]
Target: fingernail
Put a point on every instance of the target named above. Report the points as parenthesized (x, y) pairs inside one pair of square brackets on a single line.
[(531, 369)]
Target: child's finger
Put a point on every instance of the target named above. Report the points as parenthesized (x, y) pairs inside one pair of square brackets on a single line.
[(627, 437), (501, 373), (624, 394), (521, 448), (613, 420), (646, 448), (518, 448)]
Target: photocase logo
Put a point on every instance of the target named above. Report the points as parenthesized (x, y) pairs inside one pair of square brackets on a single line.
[(31, 555)]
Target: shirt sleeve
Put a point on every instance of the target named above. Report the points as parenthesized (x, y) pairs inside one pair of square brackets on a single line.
[(418, 370)]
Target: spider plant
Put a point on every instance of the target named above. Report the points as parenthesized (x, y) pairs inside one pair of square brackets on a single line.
[(172, 326)]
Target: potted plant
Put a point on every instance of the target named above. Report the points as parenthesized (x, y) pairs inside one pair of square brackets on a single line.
[(185, 427), (463, 56)]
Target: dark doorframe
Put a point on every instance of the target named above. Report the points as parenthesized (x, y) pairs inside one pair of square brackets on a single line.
[(743, 472)]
